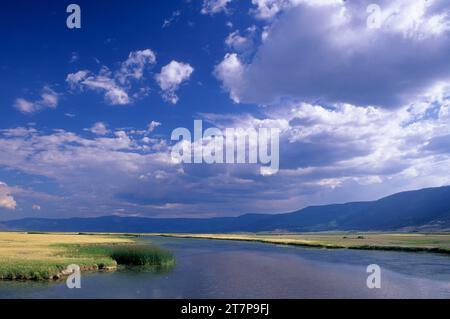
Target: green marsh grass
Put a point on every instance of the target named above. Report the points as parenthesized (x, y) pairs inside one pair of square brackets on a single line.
[(408, 242), (44, 256), (141, 256), (125, 255)]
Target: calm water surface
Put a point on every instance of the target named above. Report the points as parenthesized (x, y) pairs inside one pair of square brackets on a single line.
[(231, 269)]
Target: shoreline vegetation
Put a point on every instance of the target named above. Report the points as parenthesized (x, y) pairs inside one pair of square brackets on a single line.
[(407, 242), (45, 256), (42, 256)]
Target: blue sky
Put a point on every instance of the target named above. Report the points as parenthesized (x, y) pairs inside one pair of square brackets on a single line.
[(87, 113)]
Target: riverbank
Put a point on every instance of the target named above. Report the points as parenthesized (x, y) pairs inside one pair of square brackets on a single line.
[(433, 243), (45, 256)]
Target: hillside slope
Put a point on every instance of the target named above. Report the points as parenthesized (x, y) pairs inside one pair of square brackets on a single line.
[(426, 209)]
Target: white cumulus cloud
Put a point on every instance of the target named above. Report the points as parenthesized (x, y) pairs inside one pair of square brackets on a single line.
[(230, 70), (116, 86), (241, 43), (48, 99), (7, 201), (134, 66), (153, 125), (325, 50), (214, 6), (171, 77), (99, 128)]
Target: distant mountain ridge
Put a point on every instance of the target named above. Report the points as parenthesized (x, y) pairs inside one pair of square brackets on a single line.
[(426, 209)]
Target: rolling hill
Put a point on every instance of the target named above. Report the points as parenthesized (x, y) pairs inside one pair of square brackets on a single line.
[(425, 210)]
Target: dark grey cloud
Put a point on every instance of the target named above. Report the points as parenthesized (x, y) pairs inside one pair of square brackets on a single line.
[(329, 54), (439, 144), (326, 153)]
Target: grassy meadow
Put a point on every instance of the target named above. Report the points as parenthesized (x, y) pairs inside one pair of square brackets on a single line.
[(44, 256), (432, 242)]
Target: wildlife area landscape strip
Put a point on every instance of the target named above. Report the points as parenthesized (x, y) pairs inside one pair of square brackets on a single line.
[(46, 256), (426, 242)]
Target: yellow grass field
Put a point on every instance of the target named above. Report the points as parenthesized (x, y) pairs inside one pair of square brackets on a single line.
[(378, 241), (14, 246), (42, 256)]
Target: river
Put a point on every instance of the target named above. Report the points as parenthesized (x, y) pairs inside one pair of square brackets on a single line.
[(232, 269)]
